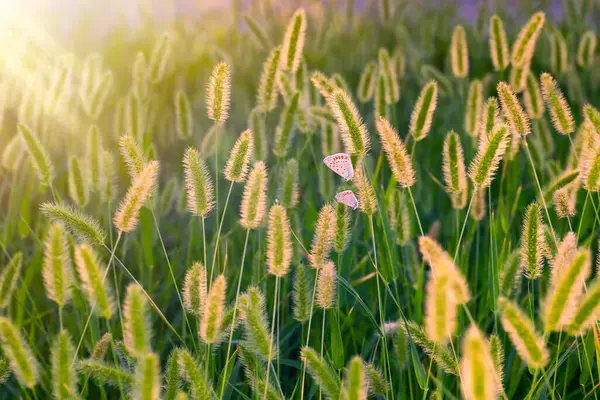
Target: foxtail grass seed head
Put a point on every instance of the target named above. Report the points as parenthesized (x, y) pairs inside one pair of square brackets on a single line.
[(78, 188), (132, 154), (266, 98), (387, 71), (524, 45), (38, 156), (590, 171), (366, 85), (512, 110), (101, 347), (279, 242), (183, 115), (586, 51), (532, 97), (94, 156), (293, 42), (8, 279), (92, 274), (440, 354), (367, 200), (518, 77), (64, 377), (356, 383), (137, 326), (478, 371), (285, 131), (211, 328), (301, 294), (194, 375), (562, 204), (194, 289), (380, 105), (509, 277), (341, 237), (325, 85), (422, 115), (396, 153), (254, 200), (18, 353), (459, 52), (453, 164), (95, 105), (587, 311), (256, 325), (323, 237), (440, 310), (237, 164), (498, 44), (326, 285), (83, 227), (442, 265), (497, 353), (57, 268), (532, 242), (559, 62), (160, 58), (562, 119), (139, 76), (561, 301), (490, 152), (218, 93), (399, 215), (286, 88), (135, 117), (354, 132), (198, 184), (399, 61), (473, 111), (127, 215), (561, 257), (256, 122), (147, 378), (490, 116), (320, 370), (288, 191), (521, 331)]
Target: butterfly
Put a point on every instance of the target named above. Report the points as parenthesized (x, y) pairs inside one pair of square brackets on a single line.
[(348, 198), (341, 164)]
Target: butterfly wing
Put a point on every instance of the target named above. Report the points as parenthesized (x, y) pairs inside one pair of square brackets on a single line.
[(341, 164), (347, 198)]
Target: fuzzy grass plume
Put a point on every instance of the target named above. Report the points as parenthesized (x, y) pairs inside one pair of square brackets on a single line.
[(253, 207), (126, 217), (20, 357), (396, 153)]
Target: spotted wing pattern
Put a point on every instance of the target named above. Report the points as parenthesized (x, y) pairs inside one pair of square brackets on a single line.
[(348, 198), (341, 164)]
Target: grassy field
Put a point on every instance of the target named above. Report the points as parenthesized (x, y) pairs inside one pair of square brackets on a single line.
[(169, 228)]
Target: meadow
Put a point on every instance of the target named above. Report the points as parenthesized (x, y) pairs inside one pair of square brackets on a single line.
[(172, 225)]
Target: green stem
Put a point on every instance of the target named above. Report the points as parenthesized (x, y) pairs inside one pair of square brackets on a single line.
[(219, 233), (162, 243), (273, 322), (235, 304)]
